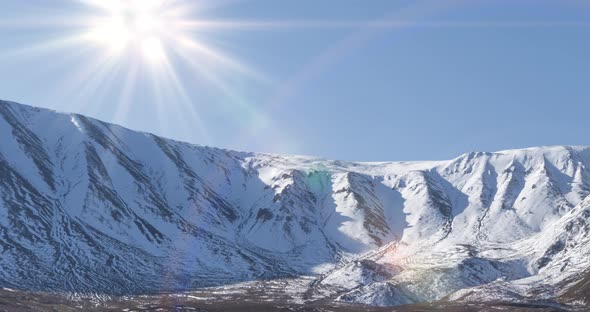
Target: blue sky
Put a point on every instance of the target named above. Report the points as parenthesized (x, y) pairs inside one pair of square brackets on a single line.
[(362, 80)]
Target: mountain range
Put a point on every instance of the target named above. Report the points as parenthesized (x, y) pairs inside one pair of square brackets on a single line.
[(94, 208)]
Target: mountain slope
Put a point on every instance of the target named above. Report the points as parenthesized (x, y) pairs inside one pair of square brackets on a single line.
[(88, 206)]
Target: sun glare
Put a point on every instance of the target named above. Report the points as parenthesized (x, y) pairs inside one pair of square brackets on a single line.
[(138, 46), (134, 26), (155, 31)]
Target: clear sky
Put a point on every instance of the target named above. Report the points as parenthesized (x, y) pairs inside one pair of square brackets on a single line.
[(362, 80)]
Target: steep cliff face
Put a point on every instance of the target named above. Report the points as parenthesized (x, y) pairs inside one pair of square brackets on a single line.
[(88, 206)]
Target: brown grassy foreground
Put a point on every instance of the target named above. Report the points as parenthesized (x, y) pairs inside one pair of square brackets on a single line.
[(23, 301)]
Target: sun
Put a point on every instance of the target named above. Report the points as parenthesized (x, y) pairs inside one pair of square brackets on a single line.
[(159, 33), (136, 26), (163, 49)]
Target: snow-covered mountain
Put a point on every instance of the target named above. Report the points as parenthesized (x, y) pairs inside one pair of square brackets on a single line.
[(88, 206)]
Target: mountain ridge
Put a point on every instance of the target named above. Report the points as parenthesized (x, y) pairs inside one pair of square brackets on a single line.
[(89, 206), (316, 157)]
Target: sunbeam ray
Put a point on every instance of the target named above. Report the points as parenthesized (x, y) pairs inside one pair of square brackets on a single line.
[(217, 56)]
